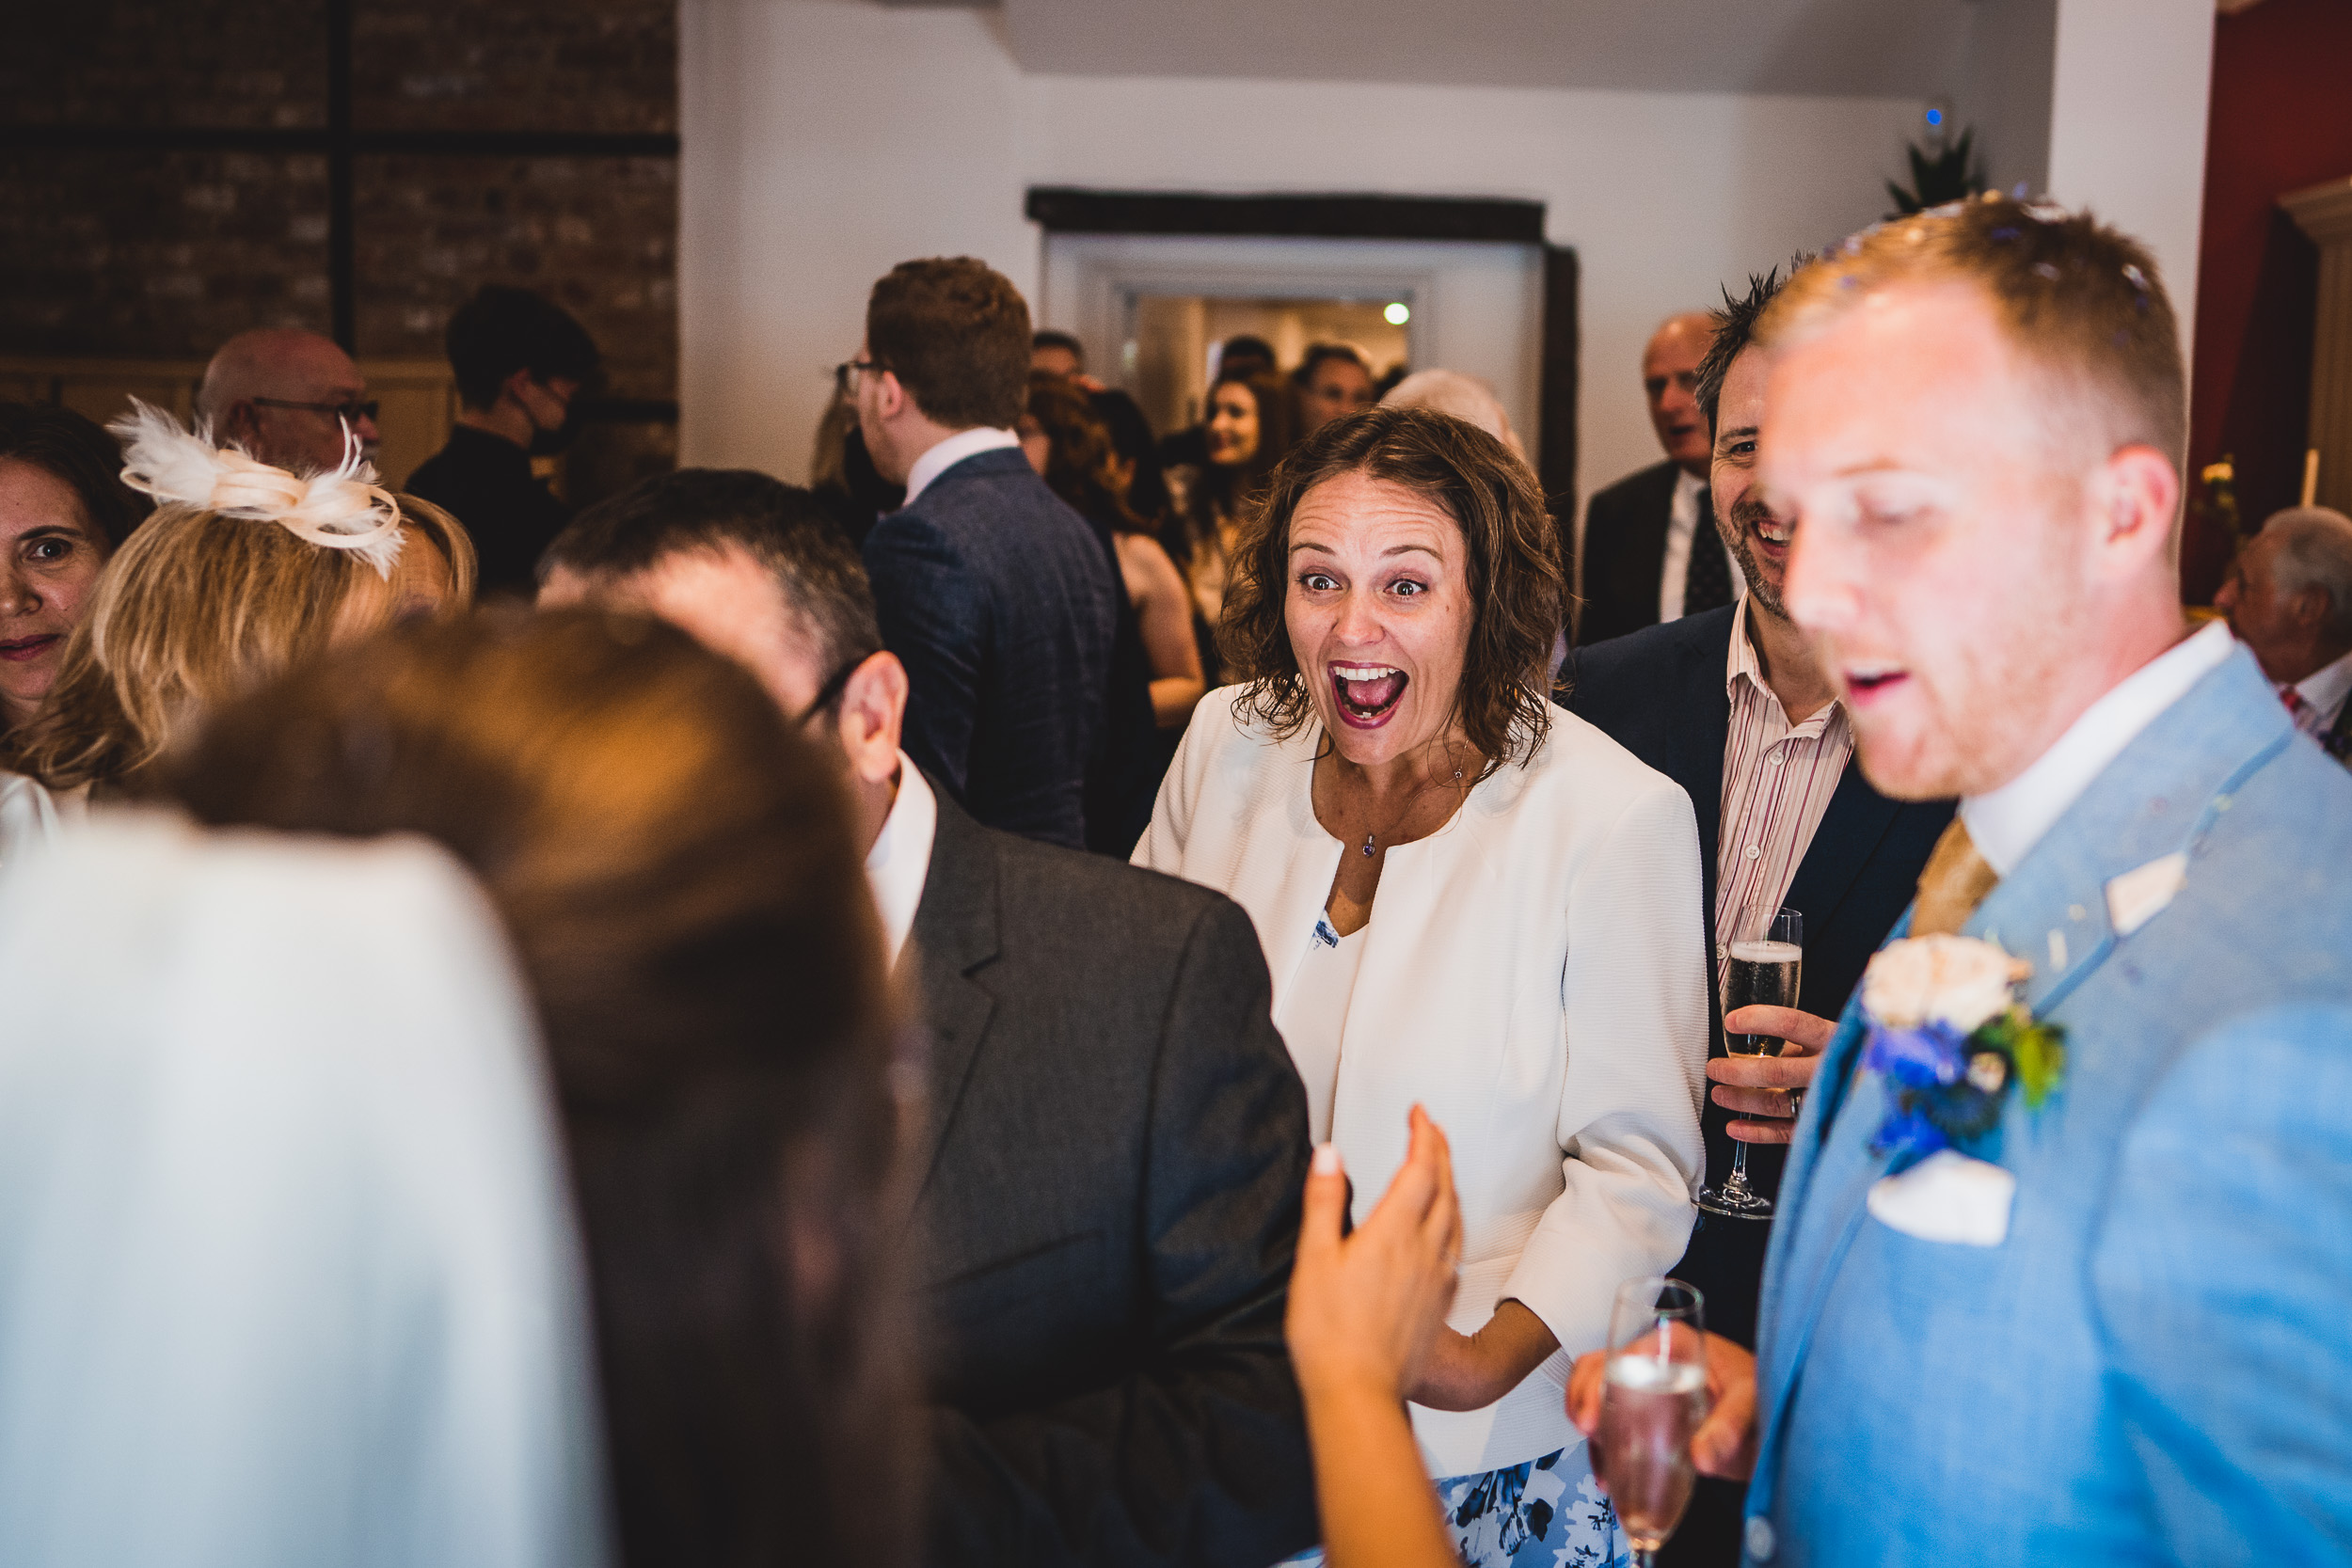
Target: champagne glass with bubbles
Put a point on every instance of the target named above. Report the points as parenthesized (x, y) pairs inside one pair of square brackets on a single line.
[(1766, 958), (1653, 1397)]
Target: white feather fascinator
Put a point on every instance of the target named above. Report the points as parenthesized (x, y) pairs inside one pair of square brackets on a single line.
[(342, 509)]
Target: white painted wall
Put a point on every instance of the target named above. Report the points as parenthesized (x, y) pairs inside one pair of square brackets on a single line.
[(2004, 90), (2132, 87), (826, 140)]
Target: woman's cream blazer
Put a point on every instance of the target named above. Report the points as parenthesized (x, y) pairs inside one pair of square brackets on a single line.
[(1536, 977)]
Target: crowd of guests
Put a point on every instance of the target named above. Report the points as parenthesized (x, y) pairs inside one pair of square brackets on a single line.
[(1067, 995)]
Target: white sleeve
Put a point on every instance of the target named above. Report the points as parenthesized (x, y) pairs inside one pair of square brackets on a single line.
[(1633, 1000), (1162, 847)]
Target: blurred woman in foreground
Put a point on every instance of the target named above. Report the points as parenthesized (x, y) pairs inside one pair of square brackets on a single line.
[(674, 866)]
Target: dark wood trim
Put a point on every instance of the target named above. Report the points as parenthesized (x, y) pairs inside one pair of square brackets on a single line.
[(319, 139), (1064, 209), (1556, 403)]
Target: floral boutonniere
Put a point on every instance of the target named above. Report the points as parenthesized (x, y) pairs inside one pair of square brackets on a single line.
[(1952, 1041)]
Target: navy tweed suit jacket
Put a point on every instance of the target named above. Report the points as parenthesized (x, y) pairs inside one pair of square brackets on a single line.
[(1000, 602)]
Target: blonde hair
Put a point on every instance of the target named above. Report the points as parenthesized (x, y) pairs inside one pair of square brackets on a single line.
[(195, 608), (2079, 304)]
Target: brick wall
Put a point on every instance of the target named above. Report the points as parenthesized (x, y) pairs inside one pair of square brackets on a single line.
[(126, 239)]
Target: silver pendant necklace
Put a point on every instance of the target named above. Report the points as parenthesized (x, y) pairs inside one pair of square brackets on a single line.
[(1408, 806)]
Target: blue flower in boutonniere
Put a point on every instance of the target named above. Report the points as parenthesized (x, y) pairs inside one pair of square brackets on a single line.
[(1952, 1041)]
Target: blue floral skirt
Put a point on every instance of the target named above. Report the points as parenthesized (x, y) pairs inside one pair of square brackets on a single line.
[(1544, 1513), (1540, 1515)]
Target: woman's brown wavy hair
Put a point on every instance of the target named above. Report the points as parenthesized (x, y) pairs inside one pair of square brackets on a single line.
[(1518, 596)]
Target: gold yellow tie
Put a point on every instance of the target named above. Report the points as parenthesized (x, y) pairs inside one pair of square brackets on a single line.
[(1952, 885)]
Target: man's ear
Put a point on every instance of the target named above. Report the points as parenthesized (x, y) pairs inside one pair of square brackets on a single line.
[(873, 716), (2135, 497), (2309, 608), (512, 387), (891, 397), (241, 425)]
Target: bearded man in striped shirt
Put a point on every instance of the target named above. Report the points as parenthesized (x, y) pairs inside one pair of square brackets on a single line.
[(1732, 704)]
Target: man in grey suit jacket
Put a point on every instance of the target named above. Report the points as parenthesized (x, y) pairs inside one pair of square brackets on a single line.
[(1002, 602), (2108, 1328), (1108, 1177)]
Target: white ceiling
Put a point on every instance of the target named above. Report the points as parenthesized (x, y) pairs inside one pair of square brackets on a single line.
[(1853, 48)]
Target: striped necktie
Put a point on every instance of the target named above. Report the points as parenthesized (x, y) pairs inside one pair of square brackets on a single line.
[(1953, 884)]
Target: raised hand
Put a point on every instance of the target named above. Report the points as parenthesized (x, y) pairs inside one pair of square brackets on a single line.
[(1364, 1309)]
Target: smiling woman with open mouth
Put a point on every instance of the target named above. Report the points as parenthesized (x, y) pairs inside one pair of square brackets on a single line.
[(1470, 902)]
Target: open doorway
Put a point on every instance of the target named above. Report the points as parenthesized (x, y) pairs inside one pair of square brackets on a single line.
[(1151, 309), (1168, 352)]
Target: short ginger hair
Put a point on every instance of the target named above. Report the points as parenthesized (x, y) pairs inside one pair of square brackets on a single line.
[(2080, 304)]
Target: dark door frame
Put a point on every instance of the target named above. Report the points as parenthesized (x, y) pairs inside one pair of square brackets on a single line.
[(1065, 210)]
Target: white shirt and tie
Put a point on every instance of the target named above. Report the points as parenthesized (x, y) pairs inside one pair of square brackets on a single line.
[(1683, 534), (2316, 701)]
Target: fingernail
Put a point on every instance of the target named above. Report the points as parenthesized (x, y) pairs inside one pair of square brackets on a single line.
[(1327, 1161)]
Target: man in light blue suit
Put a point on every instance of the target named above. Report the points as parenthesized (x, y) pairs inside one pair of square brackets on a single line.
[(2124, 1336)]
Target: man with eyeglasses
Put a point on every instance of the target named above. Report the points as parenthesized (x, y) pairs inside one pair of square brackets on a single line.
[(1002, 602), (520, 364), (286, 397), (1108, 1168)]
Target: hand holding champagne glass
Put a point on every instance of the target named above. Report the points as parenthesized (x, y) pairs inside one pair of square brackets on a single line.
[(1766, 962), (1653, 1400)]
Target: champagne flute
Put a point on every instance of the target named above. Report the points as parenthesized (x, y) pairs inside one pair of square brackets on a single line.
[(1766, 958), (1653, 1397)]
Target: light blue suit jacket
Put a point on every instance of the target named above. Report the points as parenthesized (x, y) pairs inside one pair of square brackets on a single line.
[(2156, 1365)]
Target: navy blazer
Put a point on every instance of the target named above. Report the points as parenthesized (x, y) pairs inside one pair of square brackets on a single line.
[(1659, 694), (997, 598)]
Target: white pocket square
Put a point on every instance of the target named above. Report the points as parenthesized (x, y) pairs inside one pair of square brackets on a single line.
[(1947, 1198)]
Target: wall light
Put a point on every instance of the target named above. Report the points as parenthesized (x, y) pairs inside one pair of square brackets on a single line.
[(1398, 314)]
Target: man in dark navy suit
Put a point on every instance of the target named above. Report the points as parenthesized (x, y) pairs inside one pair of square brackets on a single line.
[(1732, 706), (998, 598), (1648, 552)]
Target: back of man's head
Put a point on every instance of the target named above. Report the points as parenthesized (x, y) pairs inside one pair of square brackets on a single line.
[(503, 330), (1244, 356), (956, 334), (717, 511), (2315, 550), (2080, 306), (1058, 352)]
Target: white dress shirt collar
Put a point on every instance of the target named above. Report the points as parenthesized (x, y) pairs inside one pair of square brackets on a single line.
[(2006, 823), (901, 860), (954, 450), (2325, 688)]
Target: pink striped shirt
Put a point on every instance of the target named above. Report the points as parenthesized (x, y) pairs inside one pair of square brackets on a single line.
[(1778, 779)]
